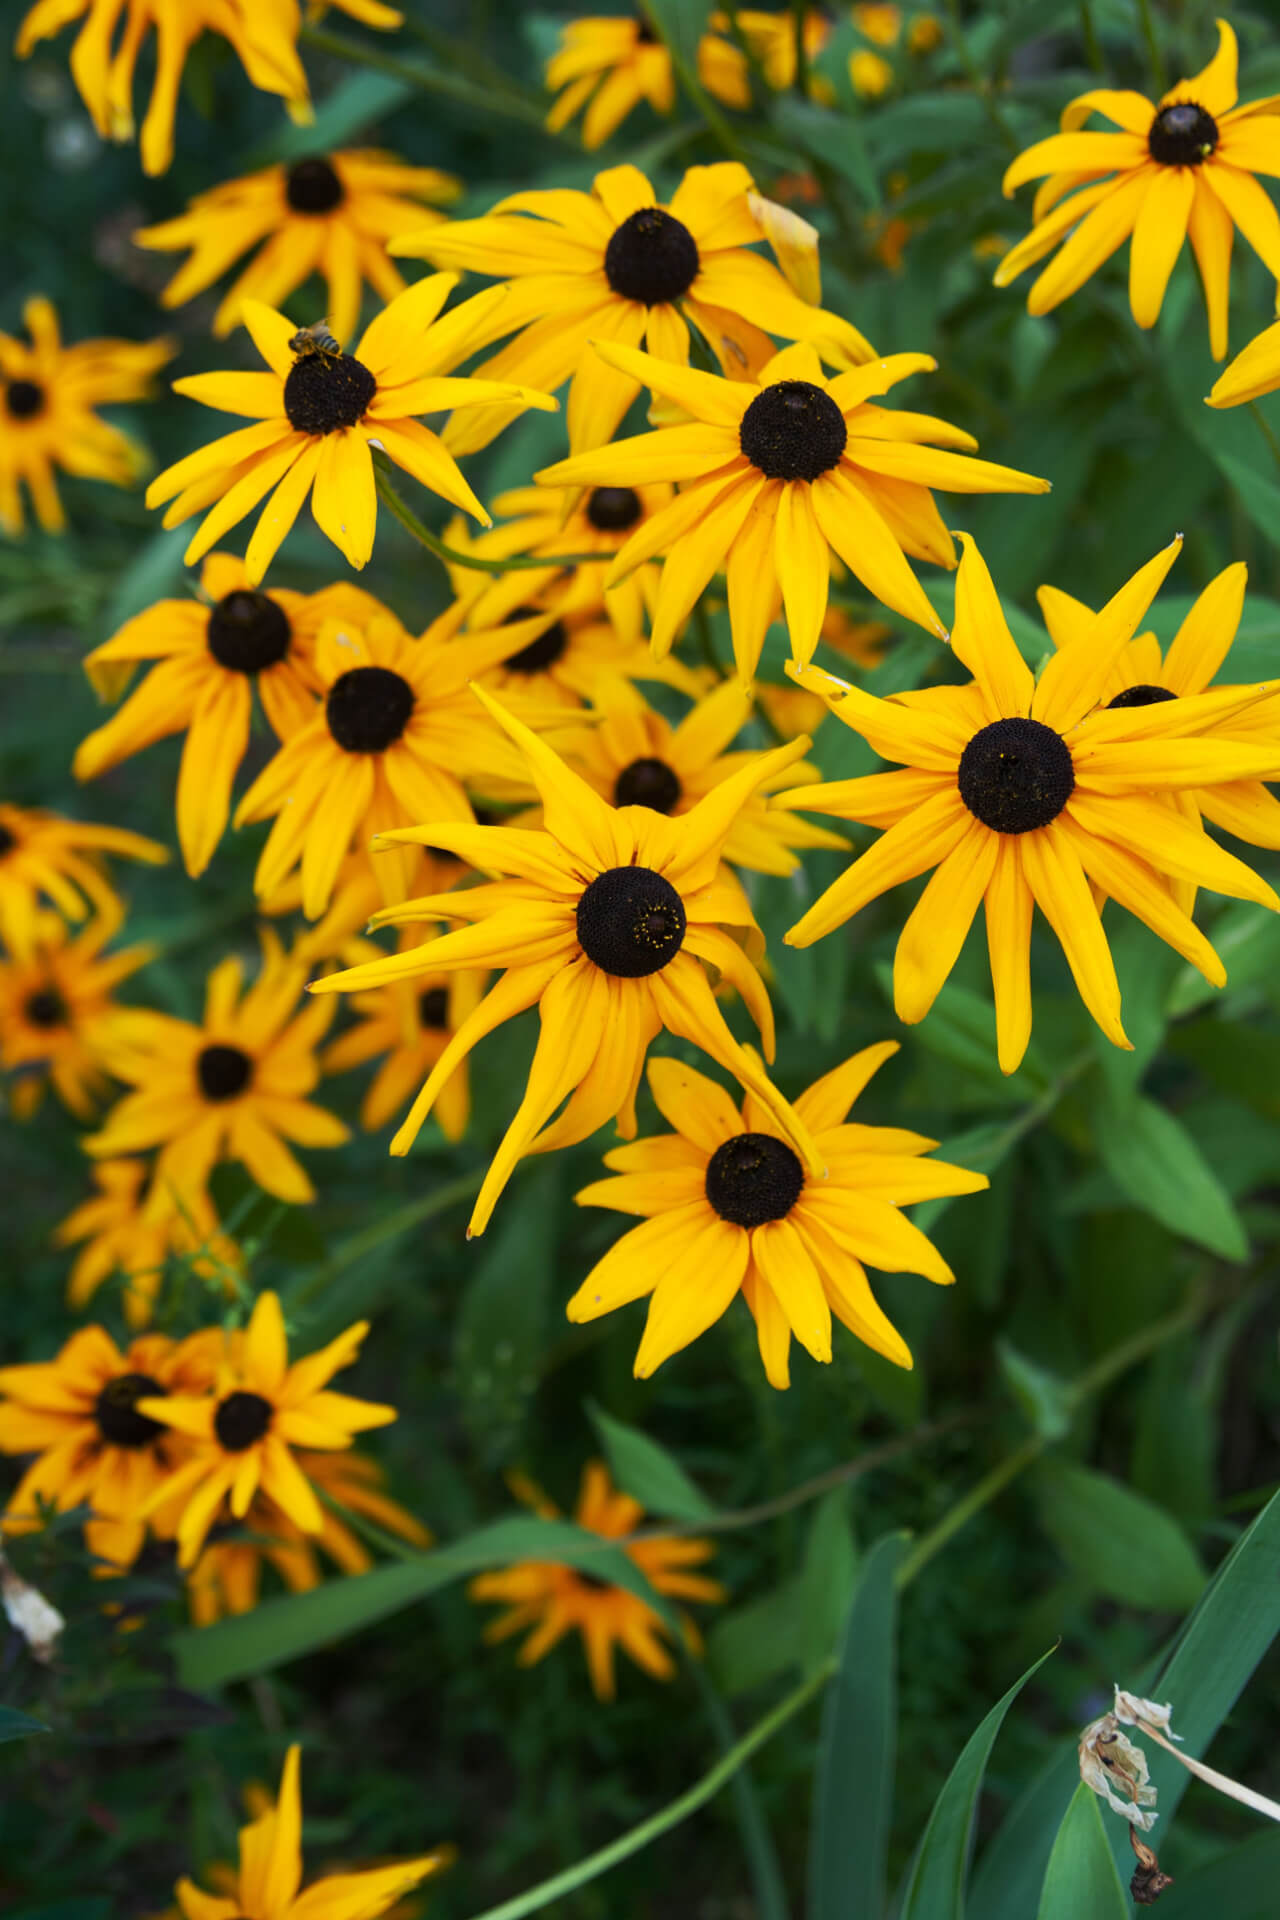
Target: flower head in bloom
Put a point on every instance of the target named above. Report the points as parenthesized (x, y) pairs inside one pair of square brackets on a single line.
[(394, 736), (212, 654), (771, 38), (45, 858), (1254, 371), (777, 474), (331, 214), (604, 920), (317, 412), (1028, 793), (244, 1430), (617, 265), (263, 34), (125, 1233), (229, 1089), (48, 396), (1183, 168), (227, 1578), (878, 23), (610, 64), (57, 1013), (870, 74), (636, 758), (357, 894), (79, 1414), (728, 1207), (554, 1599), (268, 1884)]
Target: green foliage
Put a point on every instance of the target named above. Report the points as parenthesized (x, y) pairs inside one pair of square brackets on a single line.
[(1081, 1876)]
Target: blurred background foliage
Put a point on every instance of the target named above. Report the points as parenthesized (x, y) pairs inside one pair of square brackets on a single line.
[(1135, 1203)]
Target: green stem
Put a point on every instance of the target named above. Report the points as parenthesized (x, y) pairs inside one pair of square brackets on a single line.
[(360, 1245), (697, 93), (1264, 428), (1159, 72), (453, 556), (799, 8), (669, 1816), (452, 86), (768, 1886), (1089, 34)]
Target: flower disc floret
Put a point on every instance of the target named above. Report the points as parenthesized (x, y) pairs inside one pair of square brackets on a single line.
[(433, 1008), (23, 399), (1016, 775), (327, 391), (368, 709), (613, 509), (46, 1008), (248, 631), (241, 1420), (754, 1178), (540, 653), (793, 431), (1182, 135), (1142, 695), (648, 783), (223, 1072), (631, 922), (313, 186), (116, 1410), (652, 257)]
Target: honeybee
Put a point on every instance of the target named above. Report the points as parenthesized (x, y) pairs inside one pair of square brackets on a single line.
[(314, 339)]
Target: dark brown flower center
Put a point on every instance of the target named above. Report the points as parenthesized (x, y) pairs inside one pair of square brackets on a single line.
[(368, 709), (116, 1410), (223, 1072), (240, 1420), (326, 391), (7, 842), (46, 1008), (247, 631), (433, 1008), (1144, 695), (631, 922), (613, 509), (753, 1178), (312, 186), (651, 257), (793, 430), (1182, 135), (1016, 775), (648, 783), (540, 653), (592, 1580), (23, 399)]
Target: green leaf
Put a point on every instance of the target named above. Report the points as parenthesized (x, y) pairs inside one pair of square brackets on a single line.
[(935, 1889), (1118, 1542), (647, 1471), (1158, 1166), (853, 1780), (500, 1334), (16, 1726), (154, 573), (1240, 1883), (1081, 1877), (826, 1578), (834, 139), (1041, 1394), (756, 1641), (281, 1630)]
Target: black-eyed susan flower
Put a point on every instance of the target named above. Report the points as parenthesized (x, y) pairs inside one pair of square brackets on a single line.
[(604, 920), (318, 412), (610, 64), (635, 757), (880, 24), (870, 74), (331, 214), (729, 1208), (58, 1014), (123, 1233), (243, 1433), (48, 400), (1024, 793), (616, 264), (213, 652), (1182, 168), (407, 1027), (777, 474), (771, 38), (394, 736), (554, 1600), (357, 894), (1254, 371), (268, 1884), (48, 859), (230, 1089), (227, 1578), (79, 1415)]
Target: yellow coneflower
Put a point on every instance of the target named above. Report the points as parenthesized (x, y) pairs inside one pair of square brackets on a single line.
[(44, 857), (213, 653), (57, 1013), (555, 1600), (1254, 371), (357, 894), (407, 1027), (771, 38), (924, 34), (729, 1208), (263, 34), (618, 265), (48, 397), (328, 213), (242, 1434), (870, 74), (394, 736), (79, 1413), (229, 1089), (880, 24), (267, 1885), (1024, 793), (227, 1578), (316, 412), (610, 64), (604, 920), (129, 1235), (636, 758), (777, 473), (1181, 168)]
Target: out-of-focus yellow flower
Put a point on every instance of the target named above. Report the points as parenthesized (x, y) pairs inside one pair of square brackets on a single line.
[(870, 74), (924, 33), (879, 24)]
